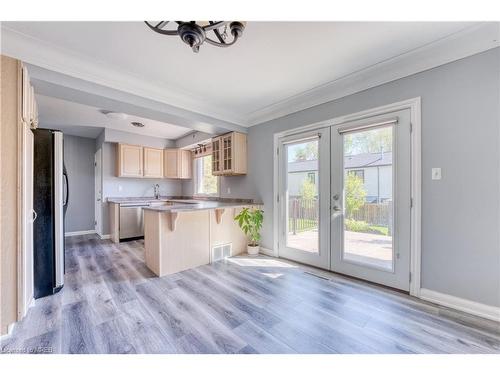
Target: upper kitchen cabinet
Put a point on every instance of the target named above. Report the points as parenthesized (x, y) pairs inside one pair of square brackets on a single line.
[(129, 161), (229, 154), (178, 163), (153, 162)]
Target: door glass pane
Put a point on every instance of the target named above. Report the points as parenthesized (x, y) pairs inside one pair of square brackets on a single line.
[(368, 199), (302, 195)]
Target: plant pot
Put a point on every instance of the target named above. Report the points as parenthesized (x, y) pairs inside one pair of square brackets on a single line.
[(253, 250)]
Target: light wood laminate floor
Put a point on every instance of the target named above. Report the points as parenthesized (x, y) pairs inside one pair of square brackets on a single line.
[(111, 303)]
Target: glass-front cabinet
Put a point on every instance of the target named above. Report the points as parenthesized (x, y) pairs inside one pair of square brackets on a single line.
[(216, 156), (229, 154)]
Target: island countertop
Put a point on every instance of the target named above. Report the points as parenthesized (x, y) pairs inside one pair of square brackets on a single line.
[(186, 233), (132, 200), (184, 205)]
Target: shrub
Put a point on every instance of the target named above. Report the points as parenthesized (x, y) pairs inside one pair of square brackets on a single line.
[(355, 194), (357, 226)]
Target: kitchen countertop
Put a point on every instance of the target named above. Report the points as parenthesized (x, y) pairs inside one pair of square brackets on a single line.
[(197, 205), (137, 200), (183, 204)]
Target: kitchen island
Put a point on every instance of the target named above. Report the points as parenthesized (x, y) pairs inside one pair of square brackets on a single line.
[(190, 233)]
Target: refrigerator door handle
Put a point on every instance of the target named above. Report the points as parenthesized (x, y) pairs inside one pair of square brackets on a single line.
[(66, 193), (34, 215)]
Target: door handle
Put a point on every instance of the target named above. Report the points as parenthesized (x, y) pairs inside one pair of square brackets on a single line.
[(337, 208), (34, 214), (66, 186)]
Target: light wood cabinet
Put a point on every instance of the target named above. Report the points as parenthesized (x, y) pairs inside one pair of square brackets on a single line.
[(146, 162), (153, 162), (129, 161), (178, 163), (229, 154), (16, 197)]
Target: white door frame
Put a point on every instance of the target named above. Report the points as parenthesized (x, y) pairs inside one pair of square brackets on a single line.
[(321, 258), (97, 193), (414, 105), (25, 252)]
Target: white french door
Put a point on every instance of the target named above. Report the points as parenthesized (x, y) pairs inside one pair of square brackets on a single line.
[(344, 198), (371, 187), (304, 184)]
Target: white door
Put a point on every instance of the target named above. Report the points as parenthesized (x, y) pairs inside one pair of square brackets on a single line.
[(304, 185), (98, 191), (29, 215), (344, 198), (370, 187)]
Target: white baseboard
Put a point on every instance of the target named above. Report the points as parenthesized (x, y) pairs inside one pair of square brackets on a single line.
[(79, 233), (105, 236), (465, 305), (266, 251)]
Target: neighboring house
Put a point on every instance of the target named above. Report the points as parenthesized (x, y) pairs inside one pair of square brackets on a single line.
[(375, 169), (298, 171)]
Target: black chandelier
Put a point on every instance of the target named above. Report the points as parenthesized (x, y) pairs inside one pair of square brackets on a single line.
[(195, 33)]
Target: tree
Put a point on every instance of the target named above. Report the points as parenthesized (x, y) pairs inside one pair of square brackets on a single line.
[(370, 141), (307, 189), (209, 180), (307, 151), (355, 194)]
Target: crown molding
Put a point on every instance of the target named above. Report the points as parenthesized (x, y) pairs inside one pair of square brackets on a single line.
[(469, 41), (46, 55)]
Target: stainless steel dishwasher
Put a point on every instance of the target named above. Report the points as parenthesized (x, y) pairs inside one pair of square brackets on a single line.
[(132, 220)]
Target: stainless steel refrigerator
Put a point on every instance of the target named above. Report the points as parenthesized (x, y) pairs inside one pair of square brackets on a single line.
[(50, 200)]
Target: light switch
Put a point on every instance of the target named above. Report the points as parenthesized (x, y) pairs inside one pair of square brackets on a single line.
[(120, 188), (436, 173)]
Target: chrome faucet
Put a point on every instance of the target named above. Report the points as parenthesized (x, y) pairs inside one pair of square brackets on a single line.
[(157, 191)]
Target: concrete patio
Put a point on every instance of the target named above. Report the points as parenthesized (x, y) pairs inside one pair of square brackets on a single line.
[(371, 249)]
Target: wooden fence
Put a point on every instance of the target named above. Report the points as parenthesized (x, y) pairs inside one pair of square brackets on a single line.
[(373, 214), (303, 214)]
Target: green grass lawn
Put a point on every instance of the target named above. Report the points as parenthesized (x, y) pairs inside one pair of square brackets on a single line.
[(363, 227), (308, 224), (379, 229)]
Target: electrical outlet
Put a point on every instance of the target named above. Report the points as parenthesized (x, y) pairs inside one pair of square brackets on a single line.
[(229, 190), (436, 173)]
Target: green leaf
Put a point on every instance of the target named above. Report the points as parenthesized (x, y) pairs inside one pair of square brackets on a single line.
[(250, 222)]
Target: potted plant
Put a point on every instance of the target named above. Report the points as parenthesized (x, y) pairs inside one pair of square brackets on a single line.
[(250, 222)]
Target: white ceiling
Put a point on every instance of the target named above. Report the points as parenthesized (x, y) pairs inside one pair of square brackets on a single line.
[(271, 63), (86, 121)]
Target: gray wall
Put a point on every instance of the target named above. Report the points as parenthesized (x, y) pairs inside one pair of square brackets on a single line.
[(79, 161), (460, 134), (130, 187)]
